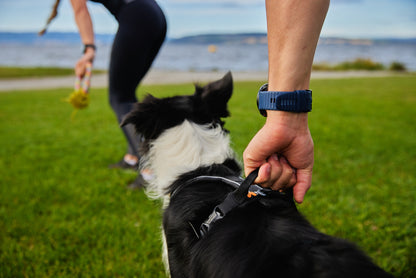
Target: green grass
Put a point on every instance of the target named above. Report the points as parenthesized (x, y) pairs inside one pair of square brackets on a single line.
[(63, 213), (36, 72)]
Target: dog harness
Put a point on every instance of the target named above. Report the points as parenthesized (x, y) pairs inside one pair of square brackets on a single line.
[(245, 191)]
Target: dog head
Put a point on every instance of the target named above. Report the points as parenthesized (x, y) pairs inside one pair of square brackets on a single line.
[(182, 133), (207, 105)]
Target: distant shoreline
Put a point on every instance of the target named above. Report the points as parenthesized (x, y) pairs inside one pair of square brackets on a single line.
[(204, 38), (215, 52), (156, 76)]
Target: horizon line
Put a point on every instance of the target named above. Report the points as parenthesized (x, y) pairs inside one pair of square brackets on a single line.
[(358, 37)]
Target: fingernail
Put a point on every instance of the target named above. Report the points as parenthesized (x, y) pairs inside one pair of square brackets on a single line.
[(275, 157)]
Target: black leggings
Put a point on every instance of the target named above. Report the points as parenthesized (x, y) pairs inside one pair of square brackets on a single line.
[(141, 32)]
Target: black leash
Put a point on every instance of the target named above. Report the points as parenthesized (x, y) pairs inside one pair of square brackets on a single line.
[(234, 199), (244, 191)]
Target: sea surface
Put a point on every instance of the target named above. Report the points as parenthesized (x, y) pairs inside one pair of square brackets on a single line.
[(63, 49)]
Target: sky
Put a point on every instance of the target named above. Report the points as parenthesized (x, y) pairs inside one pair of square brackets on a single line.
[(345, 18)]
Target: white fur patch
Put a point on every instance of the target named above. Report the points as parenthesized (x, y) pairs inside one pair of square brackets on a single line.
[(181, 149), (165, 257)]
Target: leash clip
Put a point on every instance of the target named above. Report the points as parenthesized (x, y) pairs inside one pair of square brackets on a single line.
[(233, 200), (216, 215)]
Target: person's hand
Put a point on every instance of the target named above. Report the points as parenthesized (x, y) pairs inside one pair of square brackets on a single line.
[(282, 143), (81, 65)]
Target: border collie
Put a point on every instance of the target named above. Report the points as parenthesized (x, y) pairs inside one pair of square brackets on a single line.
[(211, 227)]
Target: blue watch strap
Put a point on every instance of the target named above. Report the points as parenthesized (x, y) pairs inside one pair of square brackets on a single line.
[(298, 101)]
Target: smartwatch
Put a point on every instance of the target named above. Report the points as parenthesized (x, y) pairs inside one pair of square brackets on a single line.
[(89, 45), (298, 101)]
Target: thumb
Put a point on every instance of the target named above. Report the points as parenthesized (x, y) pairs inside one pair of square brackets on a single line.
[(250, 163), (304, 181)]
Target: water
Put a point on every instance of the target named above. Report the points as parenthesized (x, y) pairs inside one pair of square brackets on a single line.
[(63, 50)]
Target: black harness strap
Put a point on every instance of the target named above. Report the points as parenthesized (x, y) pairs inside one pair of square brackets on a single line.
[(232, 181)]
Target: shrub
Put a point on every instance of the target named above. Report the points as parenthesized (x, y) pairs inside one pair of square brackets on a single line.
[(322, 66), (360, 64), (397, 66)]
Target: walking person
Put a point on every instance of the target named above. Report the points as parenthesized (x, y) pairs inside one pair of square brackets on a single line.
[(141, 32)]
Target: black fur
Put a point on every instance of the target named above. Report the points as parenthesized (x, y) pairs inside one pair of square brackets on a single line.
[(267, 238), (208, 105)]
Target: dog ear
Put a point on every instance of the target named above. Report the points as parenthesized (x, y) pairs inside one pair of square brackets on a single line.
[(216, 95)]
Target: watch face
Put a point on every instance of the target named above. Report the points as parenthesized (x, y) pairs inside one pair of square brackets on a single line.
[(262, 89), (262, 111)]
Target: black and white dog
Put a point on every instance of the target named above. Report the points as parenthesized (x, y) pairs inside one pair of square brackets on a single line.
[(210, 228)]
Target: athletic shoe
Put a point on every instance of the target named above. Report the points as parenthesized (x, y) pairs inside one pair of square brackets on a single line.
[(122, 164)]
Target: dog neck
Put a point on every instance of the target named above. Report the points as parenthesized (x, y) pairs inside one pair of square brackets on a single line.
[(182, 149)]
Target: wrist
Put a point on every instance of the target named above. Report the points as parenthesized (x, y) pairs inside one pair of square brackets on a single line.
[(298, 80), (287, 118), (89, 51), (89, 55), (287, 124)]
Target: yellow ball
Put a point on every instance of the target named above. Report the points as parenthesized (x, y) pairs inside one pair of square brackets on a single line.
[(79, 99)]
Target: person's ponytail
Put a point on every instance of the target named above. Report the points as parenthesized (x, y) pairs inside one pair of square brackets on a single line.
[(53, 14)]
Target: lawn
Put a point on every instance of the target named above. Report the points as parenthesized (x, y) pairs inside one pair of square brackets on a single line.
[(63, 213), (36, 72)]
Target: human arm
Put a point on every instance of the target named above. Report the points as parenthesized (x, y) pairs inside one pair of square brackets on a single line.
[(293, 28), (86, 31)]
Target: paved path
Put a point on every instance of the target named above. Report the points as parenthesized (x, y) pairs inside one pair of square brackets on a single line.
[(167, 77)]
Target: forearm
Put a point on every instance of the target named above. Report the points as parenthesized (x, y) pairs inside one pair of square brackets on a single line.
[(83, 21), (293, 28), (86, 31)]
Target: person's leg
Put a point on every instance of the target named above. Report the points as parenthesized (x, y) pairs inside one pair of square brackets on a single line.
[(142, 30)]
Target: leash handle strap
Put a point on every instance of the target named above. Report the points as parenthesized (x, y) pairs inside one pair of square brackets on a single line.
[(84, 83), (241, 192), (233, 200)]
